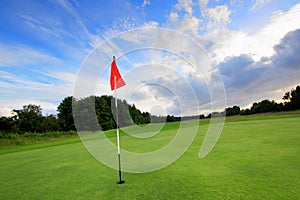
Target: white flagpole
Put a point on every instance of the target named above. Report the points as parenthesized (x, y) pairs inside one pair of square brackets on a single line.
[(118, 136)]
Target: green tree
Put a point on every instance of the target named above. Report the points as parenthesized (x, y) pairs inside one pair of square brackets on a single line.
[(235, 110), (137, 116), (295, 98), (65, 114), (123, 113), (292, 99), (246, 112), (29, 119), (104, 112), (265, 106), (85, 114), (50, 123), (286, 96), (6, 124), (146, 118)]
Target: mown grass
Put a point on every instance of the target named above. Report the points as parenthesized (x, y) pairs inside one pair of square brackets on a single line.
[(10, 147), (257, 157), (15, 142)]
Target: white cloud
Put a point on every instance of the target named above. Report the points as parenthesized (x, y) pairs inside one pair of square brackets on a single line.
[(47, 106), (189, 24), (145, 3), (223, 43), (186, 5), (6, 112), (151, 24), (169, 88), (67, 6), (173, 17), (219, 16), (19, 91), (259, 4), (25, 56), (45, 25), (280, 24), (252, 52), (65, 77), (249, 80), (120, 25), (203, 5)]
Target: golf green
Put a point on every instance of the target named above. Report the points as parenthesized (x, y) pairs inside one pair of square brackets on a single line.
[(256, 157)]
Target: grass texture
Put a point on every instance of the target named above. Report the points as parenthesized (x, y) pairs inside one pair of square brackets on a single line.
[(256, 157)]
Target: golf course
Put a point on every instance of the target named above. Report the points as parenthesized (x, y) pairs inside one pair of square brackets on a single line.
[(256, 157)]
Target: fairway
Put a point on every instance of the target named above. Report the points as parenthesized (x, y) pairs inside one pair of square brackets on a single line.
[(256, 157)]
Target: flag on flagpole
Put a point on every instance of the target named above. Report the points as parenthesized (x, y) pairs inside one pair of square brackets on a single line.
[(115, 74), (116, 82)]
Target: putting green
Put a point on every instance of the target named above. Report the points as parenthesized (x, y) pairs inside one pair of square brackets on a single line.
[(256, 158)]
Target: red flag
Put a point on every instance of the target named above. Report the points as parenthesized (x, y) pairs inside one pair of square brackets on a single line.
[(115, 73)]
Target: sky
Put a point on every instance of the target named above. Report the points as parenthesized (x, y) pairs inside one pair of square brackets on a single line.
[(180, 57)]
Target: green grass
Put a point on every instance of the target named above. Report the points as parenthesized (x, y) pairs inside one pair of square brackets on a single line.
[(257, 157), (38, 144)]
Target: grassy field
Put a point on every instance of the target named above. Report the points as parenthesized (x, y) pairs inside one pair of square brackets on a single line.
[(257, 157)]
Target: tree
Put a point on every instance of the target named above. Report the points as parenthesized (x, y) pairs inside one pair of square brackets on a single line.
[(286, 96), (292, 99), (171, 118), (235, 110), (295, 98), (123, 113), (29, 119), (146, 118), (50, 123), (138, 117), (104, 112), (85, 115), (6, 124), (65, 114), (246, 112), (202, 116), (261, 107)]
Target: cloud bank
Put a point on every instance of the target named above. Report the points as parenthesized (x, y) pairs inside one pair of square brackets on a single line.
[(41, 64)]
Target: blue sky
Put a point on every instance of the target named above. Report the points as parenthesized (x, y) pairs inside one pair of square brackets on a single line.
[(44, 45)]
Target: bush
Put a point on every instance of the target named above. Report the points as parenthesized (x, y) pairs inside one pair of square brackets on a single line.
[(1, 135), (70, 133), (30, 135), (10, 136), (52, 134)]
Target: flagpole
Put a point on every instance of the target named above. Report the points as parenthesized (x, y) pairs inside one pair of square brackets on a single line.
[(118, 136)]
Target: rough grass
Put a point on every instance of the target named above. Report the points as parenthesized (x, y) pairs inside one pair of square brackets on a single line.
[(257, 157)]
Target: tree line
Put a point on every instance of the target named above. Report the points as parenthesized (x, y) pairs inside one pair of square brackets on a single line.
[(88, 113), (291, 102)]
